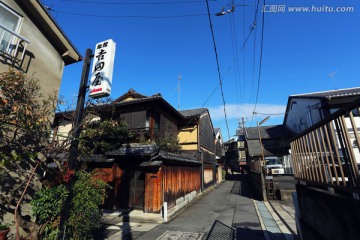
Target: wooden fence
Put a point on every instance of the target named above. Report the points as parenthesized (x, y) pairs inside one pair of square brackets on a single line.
[(327, 155)]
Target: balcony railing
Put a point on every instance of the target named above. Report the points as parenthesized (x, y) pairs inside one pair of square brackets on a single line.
[(147, 133), (325, 155), (12, 44)]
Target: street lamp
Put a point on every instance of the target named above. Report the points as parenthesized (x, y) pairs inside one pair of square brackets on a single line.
[(263, 171)]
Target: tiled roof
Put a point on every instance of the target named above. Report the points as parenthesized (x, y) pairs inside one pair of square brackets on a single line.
[(131, 93), (139, 98), (178, 157), (266, 132), (193, 112), (331, 94), (145, 99), (134, 149)]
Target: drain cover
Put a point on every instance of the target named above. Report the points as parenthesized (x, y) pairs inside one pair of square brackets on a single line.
[(177, 235)]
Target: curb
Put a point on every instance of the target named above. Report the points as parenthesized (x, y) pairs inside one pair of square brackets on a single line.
[(280, 222), (274, 227)]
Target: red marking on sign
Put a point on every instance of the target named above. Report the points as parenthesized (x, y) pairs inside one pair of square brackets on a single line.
[(96, 90)]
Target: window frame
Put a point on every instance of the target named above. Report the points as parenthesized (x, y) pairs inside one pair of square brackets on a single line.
[(16, 14), (6, 36)]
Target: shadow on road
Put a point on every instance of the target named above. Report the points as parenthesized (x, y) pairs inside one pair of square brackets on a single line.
[(221, 231), (242, 186)]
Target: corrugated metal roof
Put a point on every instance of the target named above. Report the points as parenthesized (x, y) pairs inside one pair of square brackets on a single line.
[(331, 94), (266, 132)]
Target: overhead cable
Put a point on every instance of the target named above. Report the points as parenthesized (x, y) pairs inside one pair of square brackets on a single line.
[(131, 3), (218, 67), (127, 16), (260, 60)]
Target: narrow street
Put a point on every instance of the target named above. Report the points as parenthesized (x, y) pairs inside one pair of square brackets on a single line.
[(227, 211)]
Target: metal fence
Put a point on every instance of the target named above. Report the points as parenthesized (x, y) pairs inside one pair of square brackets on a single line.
[(12, 44), (327, 155)]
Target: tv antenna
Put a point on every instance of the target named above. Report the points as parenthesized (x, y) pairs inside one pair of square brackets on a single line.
[(179, 90), (332, 76)]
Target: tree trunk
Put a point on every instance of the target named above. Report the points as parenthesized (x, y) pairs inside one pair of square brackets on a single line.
[(17, 216)]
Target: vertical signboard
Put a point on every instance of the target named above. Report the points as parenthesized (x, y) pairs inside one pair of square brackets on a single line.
[(102, 69)]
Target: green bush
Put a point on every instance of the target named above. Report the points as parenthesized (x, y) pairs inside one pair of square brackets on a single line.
[(88, 193), (98, 137), (85, 214), (46, 206)]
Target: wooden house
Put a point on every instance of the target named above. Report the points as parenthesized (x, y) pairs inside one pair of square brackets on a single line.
[(197, 137), (275, 141), (326, 158), (142, 175)]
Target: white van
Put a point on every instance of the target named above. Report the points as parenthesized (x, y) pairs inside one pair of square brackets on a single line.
[(274, 166)]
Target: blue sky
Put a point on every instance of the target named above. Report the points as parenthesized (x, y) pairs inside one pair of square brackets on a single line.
[(159, 39)]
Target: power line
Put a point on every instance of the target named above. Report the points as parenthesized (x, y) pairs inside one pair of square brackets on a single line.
[(210, 95), (126, 16), (261, 55), (260, 62), (235, 56), (257, 2), (131, 3), (218, 67)]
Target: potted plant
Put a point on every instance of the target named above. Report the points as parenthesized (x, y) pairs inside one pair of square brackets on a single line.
[(4, 230)]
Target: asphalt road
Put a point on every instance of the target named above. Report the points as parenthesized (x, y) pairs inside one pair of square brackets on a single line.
[(284, 182), (222, 213)]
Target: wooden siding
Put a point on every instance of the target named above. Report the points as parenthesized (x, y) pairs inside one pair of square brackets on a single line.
[(179, 181), (208, 156), (108, 173), (168, 126), (153, 192), (127, 185), (134, 119), (207, 135)]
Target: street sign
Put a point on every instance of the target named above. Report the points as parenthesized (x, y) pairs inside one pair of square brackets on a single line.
[(102, 69)]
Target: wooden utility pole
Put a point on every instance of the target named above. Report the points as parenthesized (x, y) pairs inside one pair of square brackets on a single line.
[(74, 147)]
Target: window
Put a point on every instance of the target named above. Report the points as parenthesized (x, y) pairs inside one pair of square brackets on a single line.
[(10, 22), (152, 120)]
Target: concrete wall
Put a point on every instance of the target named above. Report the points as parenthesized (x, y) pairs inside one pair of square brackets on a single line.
[(41, 58), (324, 215)]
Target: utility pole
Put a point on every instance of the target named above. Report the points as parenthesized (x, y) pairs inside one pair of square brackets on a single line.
[(73, 154), (73, 151)]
